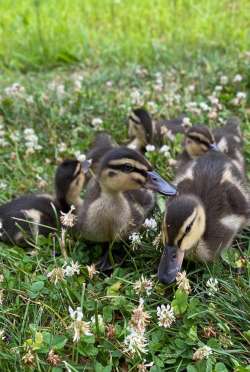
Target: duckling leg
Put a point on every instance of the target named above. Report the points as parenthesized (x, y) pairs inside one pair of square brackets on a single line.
[(104, 262)]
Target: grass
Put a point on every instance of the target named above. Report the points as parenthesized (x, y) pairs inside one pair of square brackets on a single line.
[(99, 51), (39, 34), (34, 315)]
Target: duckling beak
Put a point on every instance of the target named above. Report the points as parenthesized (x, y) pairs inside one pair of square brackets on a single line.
[(158, 184), (213, 146), (170, 264), (86, 165)]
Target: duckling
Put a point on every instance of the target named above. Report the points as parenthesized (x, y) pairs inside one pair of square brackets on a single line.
[(198, 140), (229, 140), (211, 207), (121, 197), (102, 143), (30, 215), (142, 130)]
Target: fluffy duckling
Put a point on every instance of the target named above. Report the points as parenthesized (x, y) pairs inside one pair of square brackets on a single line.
[(119, 200), (30, 215), (142, 130), (211, 207), (102, 143), (229, 140), (198, 140)]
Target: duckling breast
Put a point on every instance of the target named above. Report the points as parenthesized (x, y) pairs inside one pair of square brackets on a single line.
[(108, 218)]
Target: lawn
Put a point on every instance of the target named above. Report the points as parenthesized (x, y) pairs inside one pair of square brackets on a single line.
[(208, 326)]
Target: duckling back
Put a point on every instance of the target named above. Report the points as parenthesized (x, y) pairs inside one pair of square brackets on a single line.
[(27, 216), (229, 141)]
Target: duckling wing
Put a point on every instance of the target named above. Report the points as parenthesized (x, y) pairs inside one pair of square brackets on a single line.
[(141, 203), (173, 125)]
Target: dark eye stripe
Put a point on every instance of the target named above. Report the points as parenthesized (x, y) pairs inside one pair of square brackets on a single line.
[(198, 140), (122, 168), (134, 120)]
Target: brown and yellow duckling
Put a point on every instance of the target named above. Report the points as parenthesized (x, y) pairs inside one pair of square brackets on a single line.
[(142, 130), (121, 196), (211, 207), (36, 214)]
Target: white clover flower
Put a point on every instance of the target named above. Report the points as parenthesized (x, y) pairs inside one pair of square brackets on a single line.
[(202, 352), (186, 123), (109, 83), (150, 223), (1, 296), (223, 80), (79, 326), (165, 149), (100, 320), (29, 99), (204, 106), (68, 219), (150, 148), (183, 282), (76, 314), (1, 226), (62, 147), (15, 136), (60, 90), (79, 156), (97, 123), (218, 88), (152, 106), (56, 275), (191, 88), (73, 268), (237, 79), (31, 140), (241, 95), (135, 239), (92, 270), (143, 285), (136, 343), (2, 335), (212, 285), (77, 85), (165, 316), (214, 100), (14, 90), (136, 97), (140, 318)]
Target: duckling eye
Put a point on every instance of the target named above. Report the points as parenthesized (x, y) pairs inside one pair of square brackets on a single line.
[(188, 229), (128, 168)]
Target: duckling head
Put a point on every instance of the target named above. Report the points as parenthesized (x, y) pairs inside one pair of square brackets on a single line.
[(198, 141), (123, 169), (140, 127), (183, 226), (69, 181)]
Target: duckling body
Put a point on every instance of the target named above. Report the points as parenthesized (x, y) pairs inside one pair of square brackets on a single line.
[(212, 206), (144, 131), (33, 214), (120, 198)]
